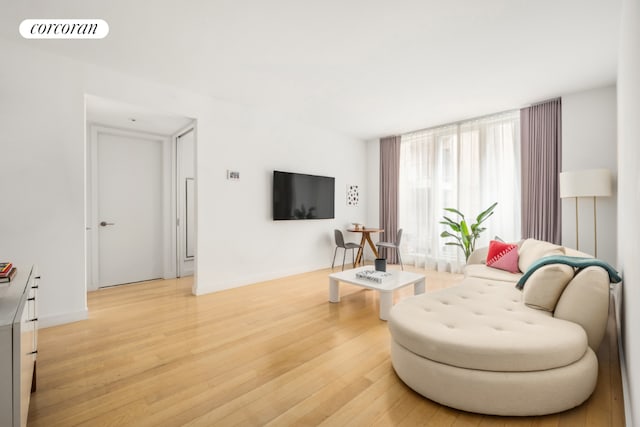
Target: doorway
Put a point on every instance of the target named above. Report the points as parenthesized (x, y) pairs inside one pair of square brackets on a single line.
[(134, 200), (130, 197)]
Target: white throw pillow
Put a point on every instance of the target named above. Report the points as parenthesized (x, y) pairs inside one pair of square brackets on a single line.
[(532, 250), (543, 288)]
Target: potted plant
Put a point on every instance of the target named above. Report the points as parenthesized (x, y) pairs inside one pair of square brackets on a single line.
[(465, 235)]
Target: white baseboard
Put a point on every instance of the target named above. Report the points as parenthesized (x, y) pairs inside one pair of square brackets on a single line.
[(626, 397), (203, 287), (61, 319), (616, 291)]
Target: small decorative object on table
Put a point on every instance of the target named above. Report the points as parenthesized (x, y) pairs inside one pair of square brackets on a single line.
[(357, 226), (381, 264), (374, 276)]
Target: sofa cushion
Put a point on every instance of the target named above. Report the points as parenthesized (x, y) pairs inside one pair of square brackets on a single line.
[(481, 271), (544, 287), (585, 301), (483, 325), (532, 250), (503, 256)]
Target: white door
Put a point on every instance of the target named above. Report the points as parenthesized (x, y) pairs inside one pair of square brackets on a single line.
[(130, 209)]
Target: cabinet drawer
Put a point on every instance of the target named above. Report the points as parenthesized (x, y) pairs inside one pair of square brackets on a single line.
[(27, 360)]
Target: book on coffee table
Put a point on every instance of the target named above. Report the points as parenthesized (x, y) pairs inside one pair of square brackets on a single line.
[(374, 276)]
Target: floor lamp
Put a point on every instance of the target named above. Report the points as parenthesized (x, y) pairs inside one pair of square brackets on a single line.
[(586, 183)]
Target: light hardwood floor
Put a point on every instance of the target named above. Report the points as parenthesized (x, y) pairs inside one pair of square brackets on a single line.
[(274, 353)]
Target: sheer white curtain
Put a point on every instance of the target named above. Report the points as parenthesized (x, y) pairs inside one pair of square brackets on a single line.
[(466, 166)]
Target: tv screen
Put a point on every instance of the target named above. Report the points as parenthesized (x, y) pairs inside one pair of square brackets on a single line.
[(299, 196)]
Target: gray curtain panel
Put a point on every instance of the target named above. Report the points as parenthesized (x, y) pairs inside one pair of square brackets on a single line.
[(541, 151), (389, 182)]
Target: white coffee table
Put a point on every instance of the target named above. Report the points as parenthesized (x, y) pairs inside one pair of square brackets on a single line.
[(399, 280)]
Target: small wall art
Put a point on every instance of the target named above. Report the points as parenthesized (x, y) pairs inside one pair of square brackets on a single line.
[(353, 195)]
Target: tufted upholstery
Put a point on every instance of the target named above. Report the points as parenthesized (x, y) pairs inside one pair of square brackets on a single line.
[(478, 347), (483, 325)]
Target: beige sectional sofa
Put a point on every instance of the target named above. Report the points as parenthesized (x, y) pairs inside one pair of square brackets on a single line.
[(484, 346)]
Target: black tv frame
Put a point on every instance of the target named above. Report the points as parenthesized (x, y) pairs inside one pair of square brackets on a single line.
[(326, 198)]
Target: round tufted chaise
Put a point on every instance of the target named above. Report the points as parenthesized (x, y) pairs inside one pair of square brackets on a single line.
[(478, 347)]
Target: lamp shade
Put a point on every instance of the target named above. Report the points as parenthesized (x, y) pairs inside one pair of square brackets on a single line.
[(585, 183)]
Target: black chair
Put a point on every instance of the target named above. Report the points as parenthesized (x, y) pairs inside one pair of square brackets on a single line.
[(341, 244), (393, 245)]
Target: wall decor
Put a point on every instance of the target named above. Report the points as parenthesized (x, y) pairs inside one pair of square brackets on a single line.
[(353, 195)]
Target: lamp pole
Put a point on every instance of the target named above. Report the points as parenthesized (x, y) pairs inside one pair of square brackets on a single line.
[(577, 242), (595, 229)]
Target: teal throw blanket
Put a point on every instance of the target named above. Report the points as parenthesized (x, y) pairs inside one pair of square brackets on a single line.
[(576, 262)]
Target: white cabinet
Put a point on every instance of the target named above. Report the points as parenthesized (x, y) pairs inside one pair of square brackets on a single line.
[(18, 346)]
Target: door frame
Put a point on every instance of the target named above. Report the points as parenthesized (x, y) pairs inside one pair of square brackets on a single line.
[(168, 200), (180, 237)]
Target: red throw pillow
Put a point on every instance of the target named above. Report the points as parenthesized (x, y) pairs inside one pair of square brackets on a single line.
[(503, 256)]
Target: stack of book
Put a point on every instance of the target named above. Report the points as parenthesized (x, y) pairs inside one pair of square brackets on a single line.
[(374, 276), (7, 271)]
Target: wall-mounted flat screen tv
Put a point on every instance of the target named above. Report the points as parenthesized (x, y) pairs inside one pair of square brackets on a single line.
[(300, 196)]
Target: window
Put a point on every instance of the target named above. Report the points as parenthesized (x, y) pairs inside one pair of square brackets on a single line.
[(467, 166)]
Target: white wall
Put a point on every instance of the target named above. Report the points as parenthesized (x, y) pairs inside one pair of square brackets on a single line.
[(42, 219), (629, 195), (42, 214), (589, 142), (239, 242)]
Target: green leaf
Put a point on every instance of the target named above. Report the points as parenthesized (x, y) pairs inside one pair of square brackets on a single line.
[(454, 226), (486, 214), (464, 228), (446, 218), (485, 218), (454, 211), (465, 240), (447, 234)]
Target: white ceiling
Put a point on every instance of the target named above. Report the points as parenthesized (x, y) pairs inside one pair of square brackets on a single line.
[(366, 68), (125, 116)]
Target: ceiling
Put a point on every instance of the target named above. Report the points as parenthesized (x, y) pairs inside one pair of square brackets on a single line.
[(363, 68), (125, 116)]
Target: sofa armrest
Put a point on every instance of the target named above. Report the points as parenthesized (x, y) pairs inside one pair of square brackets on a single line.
[(479, 256)]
